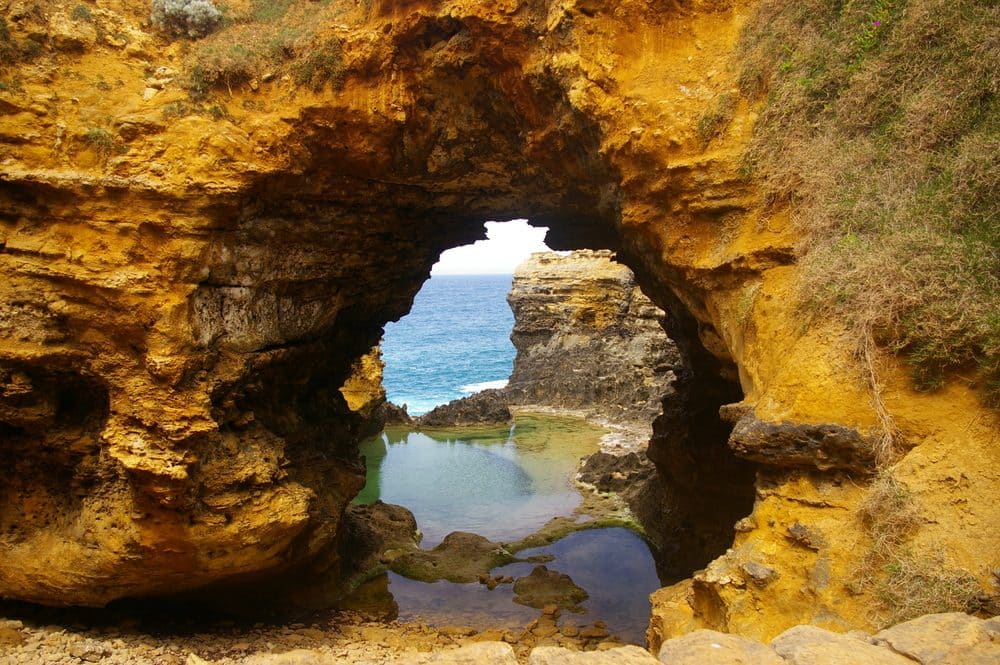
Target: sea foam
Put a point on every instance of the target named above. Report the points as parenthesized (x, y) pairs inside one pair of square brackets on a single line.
[(485, 385)]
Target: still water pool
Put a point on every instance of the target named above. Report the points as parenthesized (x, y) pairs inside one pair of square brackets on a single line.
[(504, 484)]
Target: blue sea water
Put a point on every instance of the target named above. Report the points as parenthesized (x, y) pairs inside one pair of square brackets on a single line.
[(455, 341)]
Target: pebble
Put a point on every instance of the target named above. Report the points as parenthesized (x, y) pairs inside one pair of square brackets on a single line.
[(569, 630), (593, 633), (345, 638)]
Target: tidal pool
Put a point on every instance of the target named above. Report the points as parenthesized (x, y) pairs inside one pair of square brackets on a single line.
[(504, 485)]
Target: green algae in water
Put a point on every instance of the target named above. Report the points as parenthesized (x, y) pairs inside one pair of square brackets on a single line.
[(500, 483)]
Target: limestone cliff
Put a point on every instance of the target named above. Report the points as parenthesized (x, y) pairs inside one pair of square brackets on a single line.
[(186, 285), (588, 338)]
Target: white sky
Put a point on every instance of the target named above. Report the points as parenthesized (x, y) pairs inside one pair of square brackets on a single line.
[(508, 244)]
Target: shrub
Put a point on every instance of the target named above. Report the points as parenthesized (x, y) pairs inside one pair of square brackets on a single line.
[(880, 127), (191, 18), (14, 51), (82, 13), (103, 142), (324, 64)]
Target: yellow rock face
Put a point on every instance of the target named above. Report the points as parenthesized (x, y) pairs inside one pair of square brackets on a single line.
[(185, 290)]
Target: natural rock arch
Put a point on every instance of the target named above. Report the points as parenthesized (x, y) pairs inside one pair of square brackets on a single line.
[(220, 278)]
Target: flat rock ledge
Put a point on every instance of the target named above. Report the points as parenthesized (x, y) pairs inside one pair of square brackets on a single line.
[(934, 639)]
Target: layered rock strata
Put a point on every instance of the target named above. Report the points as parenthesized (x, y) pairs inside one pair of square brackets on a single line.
[(588, 338), (186, 286)]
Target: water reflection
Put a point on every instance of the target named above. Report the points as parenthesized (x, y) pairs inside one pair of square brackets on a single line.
[(504, 484), (613, 565)]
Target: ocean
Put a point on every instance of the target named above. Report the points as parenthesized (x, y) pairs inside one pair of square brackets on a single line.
[(455, 341)]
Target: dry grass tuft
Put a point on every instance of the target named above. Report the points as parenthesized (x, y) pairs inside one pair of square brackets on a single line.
[(889, 514), (881, 127), (268, 38), (905, 585), (914, 587)]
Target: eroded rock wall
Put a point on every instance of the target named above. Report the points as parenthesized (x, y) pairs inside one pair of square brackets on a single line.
[(185, 292)]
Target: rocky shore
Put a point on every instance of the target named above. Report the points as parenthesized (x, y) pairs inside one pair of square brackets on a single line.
[(345, 639), (339, 637)]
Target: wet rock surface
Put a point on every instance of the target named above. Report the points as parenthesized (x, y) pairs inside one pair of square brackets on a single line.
[(393, 414), (615, 473), (460, 557), (374, 535)]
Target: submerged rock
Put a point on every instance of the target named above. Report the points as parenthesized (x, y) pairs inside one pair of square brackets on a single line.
[(545, 587), (461, 557)]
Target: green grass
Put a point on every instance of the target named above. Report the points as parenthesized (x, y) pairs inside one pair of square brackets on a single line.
[(880, 127), (269, 10), (270, 38)]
